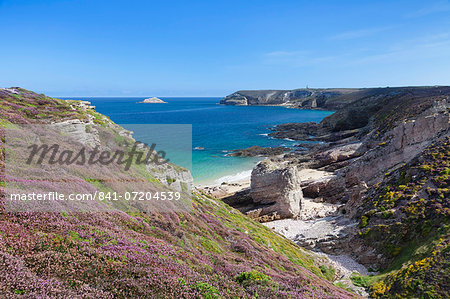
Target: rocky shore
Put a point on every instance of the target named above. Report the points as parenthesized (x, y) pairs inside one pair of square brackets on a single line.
[(257, 151), (357, 193)]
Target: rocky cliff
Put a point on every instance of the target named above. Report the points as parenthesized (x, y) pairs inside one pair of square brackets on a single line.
[(298, 98), (385, 164), (366, 109)]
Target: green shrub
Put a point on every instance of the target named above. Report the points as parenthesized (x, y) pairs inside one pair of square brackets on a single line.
[(360, 281), (253, 276), (170, 180), (364, 220), (211, 246), (207, 291), (426, 167), (387, 214)]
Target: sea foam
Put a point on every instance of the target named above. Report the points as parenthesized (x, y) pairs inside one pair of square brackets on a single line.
[(243, 175)]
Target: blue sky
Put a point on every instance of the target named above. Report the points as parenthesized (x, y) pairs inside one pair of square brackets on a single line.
[(212, 48)]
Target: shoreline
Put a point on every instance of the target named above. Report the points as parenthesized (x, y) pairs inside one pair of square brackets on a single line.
[(239, 177), (227, 185)]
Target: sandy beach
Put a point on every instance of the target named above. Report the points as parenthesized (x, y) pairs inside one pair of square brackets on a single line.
[(225, 188), (229, 185)]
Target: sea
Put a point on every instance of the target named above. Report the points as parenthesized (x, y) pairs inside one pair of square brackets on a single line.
[(215, 129)]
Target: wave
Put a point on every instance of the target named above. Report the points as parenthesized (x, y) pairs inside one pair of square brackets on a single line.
[(235, 177)]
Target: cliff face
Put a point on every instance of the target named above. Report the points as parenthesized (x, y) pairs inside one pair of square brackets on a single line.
[(386, 156), (299, 98), (211, 251), (368, 109)]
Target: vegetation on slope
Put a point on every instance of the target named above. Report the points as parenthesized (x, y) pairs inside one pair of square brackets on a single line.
[(407, 219), (165, 255), (212, 252)]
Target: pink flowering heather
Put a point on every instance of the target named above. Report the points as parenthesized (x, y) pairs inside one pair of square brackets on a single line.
[(212, 251)]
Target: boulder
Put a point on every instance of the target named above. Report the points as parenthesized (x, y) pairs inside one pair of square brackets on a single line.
[(277, 189), (332, 188), (315, 188), (337, 154)]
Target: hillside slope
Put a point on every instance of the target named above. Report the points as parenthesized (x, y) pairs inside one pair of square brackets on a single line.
[(211, 252), (406, 218)]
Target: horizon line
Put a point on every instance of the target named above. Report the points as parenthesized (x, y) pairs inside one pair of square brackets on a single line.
[(135, 96)]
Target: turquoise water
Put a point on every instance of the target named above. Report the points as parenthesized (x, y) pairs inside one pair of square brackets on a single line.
[(216, 128)]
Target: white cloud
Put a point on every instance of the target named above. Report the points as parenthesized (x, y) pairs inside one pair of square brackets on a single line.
[(438, 7), (422, 48), (358, 33), (285, 53), (294, 58), (414, 50)]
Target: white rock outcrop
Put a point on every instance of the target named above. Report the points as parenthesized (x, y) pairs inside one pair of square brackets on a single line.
[(81, 131), (277, 190), (153, 100)]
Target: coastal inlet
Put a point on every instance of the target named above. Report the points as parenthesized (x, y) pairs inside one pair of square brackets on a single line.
[(216, 130)]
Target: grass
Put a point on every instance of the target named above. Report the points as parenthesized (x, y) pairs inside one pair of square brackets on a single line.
[(365, 281), (343, 286), (328, 272), (412, 252)]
